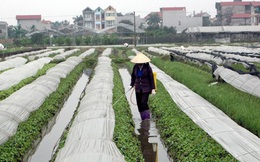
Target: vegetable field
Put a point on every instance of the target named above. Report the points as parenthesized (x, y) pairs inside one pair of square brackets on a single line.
[(29, 101)]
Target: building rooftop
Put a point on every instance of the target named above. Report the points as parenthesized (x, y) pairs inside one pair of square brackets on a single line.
[(172, 8), (28, 17), (253, 3)]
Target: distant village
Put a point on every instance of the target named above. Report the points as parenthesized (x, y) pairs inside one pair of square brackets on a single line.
[(234, 16)]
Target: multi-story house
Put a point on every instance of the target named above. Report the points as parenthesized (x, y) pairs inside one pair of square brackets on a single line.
[(88, 18), (3, 29), (238, 13), (110, 17), (176, 17), (99, 19), (28, 22)]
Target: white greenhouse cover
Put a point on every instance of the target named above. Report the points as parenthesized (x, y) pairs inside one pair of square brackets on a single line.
[(90, 137), (12, 77), (86, 53), (65, 54), (227, 51), (206, 57), (64, 68), (243, 58), (27, 54), (46, 54), (18, 106), (239, 142), (158, 50), (244, 82), (12, 63), (238, 49)]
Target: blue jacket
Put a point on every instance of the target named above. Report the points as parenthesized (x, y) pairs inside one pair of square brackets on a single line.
[(145, 82)]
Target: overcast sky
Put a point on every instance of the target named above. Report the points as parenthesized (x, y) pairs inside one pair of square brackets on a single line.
[(59, 10)]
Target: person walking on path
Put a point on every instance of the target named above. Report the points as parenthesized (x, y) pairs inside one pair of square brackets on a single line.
[(143, 81)]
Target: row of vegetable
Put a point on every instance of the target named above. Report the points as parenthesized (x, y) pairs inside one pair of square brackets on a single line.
[(241, 107), (18, 147), (183, 139)]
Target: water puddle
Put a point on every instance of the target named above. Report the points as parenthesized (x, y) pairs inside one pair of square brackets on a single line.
[(152, 147), (47, 146)]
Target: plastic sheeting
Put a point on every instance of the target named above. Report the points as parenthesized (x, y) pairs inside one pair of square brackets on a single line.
[(46, 54), (12, 63), (158, 50), (64, 68), (65, 54), (91, 134), (12, 77), (206, 57), (239, 142), (86, 53), (235, 49), (18, 106), (27, 54), (232, 52), (244, 82)]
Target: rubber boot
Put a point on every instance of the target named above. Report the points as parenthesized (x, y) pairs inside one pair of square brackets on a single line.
[(145, 114)]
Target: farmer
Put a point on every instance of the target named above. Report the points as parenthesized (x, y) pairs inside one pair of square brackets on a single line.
[(143, 81)]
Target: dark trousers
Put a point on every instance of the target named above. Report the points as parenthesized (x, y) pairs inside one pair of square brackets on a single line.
[(142, 99)]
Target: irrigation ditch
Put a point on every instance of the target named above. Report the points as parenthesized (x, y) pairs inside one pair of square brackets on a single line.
[(47, 146), (151, 145)]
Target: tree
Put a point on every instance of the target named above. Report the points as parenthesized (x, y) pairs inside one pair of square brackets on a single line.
[(33, 28), (37, 38), (19, 31), (157, 31), (56, 25), (154, 20), (65, 23), (78, 20), (11, 31), (78, 40)]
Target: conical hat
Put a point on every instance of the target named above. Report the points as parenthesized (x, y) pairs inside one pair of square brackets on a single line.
[(140, 58)]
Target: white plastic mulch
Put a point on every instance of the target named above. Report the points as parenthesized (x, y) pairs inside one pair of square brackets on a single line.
[(86, 53), (27, 54), (13, 76), (65, 54), (46, 54), (12, 63), (239, 142), (244, 82), (90, 137), (17, 107)]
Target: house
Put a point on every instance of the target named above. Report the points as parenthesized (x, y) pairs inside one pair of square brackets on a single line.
[(205, 18), (28, 22), (176, 17), (3, 29), (99, 19), (238, 13), (110, 17), (107, 20), (88, 18), (132, 18)]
